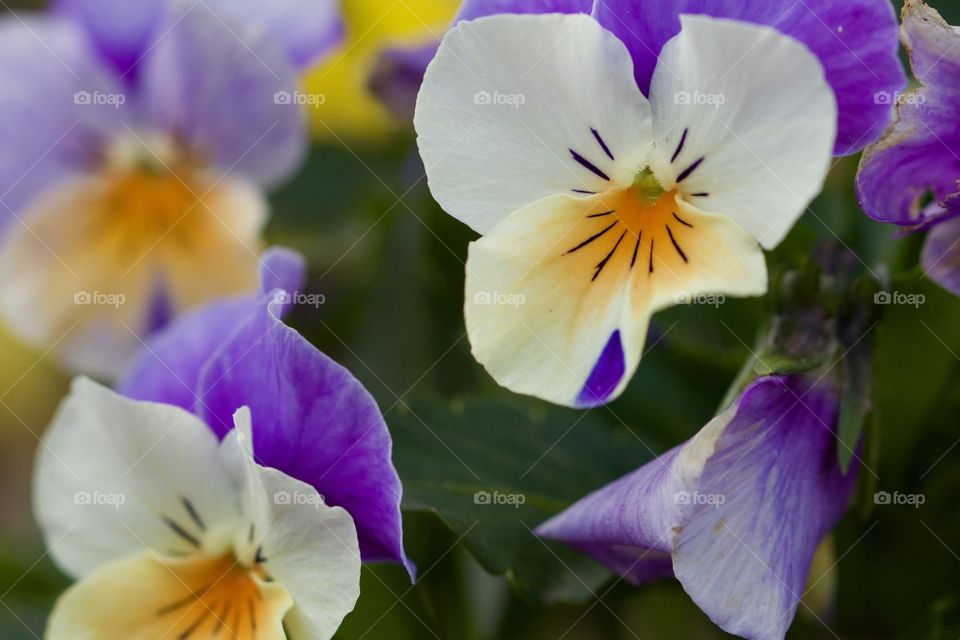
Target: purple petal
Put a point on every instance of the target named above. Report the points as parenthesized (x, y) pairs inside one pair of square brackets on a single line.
[(311, 418), (307, 29), (855, 40), (741, 507), (120, 29), (606, 374), (918, 160), (473, 9), (48, 128), (168, 369), (941, 255), (229, 99)]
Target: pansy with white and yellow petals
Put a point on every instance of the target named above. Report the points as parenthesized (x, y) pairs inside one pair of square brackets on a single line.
[(172, 535), (599, 206)]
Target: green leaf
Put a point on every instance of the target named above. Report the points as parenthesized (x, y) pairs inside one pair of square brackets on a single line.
[(494, 470)]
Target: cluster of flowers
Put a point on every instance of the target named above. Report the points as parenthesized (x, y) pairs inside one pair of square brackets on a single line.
[(616, 156)]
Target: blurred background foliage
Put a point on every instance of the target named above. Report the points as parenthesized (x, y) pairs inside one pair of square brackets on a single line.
[(390, 265)]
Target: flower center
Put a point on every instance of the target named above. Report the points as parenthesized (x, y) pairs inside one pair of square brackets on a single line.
[(217, 596)]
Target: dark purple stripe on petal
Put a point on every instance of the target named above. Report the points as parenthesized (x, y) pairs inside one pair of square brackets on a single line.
[(606, 374), (689, 170), (589, 165), (606, 149), (683, 141)]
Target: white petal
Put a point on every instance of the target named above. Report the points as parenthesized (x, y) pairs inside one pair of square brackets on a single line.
[(560, 294), (84, 280), (309, 548), (755, 106), (507, 102), (143, 598), (115, 476)]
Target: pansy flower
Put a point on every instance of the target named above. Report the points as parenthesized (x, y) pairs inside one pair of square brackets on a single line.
[(138, 141), (735, 514), (599, 206), (856, 42), (312, 419), (910, 177), (174, 535)]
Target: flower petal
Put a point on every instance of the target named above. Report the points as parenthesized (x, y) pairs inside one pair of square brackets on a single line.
[(304, 545), (517, 108), (155, 482), (743, 114), (560, 294), (236, 109), (918, 156), (745, 561), (53, 110), (168, 368), (121, 30), (87, 284), (203, 597), (941, 255), (307, 29), (855, 41)]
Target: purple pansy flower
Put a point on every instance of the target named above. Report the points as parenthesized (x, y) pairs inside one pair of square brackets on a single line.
[(138, 141), (313, 420), (855, 41), (735, 513), (910, 177)]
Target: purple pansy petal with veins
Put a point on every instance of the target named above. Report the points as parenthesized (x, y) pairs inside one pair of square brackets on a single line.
[(226, 109), (740, 508), (918, 159), (941, 255), (856, 41), (48, 129), (312, 419)]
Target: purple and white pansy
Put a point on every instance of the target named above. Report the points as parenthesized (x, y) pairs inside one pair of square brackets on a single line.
[(735, 514), (598, 206), (138, 141), (856, 42), (240, 478), (911, 177)]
